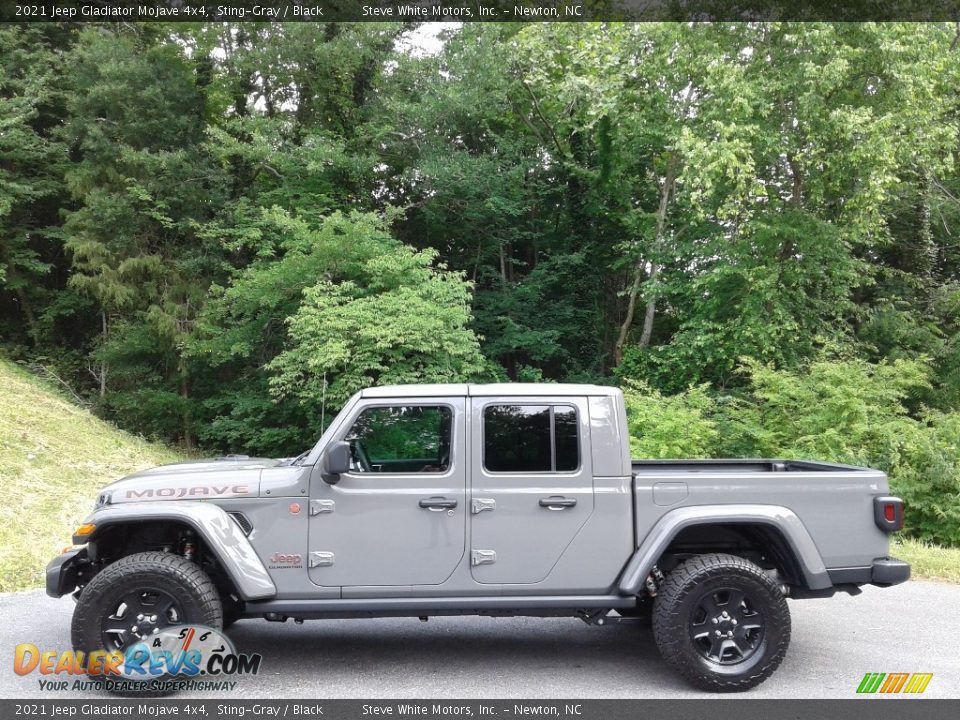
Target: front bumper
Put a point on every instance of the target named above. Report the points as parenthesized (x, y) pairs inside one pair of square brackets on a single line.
[(64, 572)]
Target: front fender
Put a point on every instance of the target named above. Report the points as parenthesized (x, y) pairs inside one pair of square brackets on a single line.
[(669, 526), (220, 533)]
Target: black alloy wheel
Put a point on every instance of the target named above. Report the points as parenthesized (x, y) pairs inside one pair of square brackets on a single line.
[(140, 613), (726, 626)]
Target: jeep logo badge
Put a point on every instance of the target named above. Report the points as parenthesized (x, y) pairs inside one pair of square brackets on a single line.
[(285, 560)]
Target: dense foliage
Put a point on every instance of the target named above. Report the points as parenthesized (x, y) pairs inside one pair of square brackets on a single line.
[(215, 233), (847, 411)]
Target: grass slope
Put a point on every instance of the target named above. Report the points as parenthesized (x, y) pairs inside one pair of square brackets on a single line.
[(54, 457), (929, 561)]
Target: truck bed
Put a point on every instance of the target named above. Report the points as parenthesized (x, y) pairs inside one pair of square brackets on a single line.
[(735, 466), (834, 502)]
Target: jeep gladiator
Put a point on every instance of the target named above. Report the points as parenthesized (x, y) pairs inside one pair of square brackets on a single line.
[(504, 499)]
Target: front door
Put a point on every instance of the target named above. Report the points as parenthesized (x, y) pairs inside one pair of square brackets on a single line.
[(532, 485), (398, 516)]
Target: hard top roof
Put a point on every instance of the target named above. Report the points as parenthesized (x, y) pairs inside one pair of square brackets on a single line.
[(486, 390)]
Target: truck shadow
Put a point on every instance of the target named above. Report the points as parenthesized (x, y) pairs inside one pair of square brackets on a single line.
[(498, 656)]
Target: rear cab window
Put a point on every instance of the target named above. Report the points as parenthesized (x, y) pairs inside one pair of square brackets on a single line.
[(530, 438)]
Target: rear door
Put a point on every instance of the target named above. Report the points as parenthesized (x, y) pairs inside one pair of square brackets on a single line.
[(398, 517), (532, 485)]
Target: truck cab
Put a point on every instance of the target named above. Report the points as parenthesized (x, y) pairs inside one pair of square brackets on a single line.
[(479, 487)]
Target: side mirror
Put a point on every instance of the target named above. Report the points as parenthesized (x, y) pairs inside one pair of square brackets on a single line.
[(336, 461)]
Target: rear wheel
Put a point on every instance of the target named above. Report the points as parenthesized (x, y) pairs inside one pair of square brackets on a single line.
[(721, 622)]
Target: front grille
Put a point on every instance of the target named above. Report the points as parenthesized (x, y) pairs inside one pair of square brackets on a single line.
[(242, 521)]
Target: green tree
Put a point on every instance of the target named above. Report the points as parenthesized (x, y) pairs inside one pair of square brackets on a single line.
[(32, 163), (362, 308), (401, 321), (136, 124)]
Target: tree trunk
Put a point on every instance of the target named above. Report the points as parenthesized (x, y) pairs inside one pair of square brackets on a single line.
[(187, 421), (103, 365), (796, 201), (788, 246), (27, 313), (25, 305), (666, 193), (651, 310)]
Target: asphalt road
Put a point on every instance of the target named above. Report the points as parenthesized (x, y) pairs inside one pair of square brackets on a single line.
[(910, 628)]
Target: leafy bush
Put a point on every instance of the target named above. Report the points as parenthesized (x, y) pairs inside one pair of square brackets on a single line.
[(925, 472), (848, 411), (843, 411), (670, 426)]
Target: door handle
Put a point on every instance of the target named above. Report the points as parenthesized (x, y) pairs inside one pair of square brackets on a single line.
[(480, 504), (557, 502), (318, 507), (437, 503)]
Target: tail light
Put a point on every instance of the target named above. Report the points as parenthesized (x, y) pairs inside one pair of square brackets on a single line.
[(888, 513)]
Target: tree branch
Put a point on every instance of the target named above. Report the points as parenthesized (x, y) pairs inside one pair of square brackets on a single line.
[(536, 106)]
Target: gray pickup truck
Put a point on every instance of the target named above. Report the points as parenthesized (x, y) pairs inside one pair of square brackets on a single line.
[(505, 499)]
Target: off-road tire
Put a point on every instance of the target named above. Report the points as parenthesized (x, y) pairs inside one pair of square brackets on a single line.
[(197, 598), (682, 616)]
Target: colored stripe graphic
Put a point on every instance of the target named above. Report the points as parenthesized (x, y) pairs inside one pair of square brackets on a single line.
[(870, 682), (893, 683), (918, 682)]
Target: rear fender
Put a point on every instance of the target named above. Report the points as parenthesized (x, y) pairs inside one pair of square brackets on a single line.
[(670, 525)]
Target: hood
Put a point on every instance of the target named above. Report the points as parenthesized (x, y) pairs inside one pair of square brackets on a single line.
[(227, 477)]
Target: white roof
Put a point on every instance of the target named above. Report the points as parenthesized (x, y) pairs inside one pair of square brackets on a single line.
[(497, 389)]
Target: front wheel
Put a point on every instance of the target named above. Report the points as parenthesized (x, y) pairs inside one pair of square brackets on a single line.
[(721, 622), (137, 597)]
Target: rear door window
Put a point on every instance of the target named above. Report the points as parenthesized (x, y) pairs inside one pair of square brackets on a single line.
[(530, 438)]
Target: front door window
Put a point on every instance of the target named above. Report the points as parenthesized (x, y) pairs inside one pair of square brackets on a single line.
[(401, 439)]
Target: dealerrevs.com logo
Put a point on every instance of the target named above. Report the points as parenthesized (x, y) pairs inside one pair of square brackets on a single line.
[(180, 657)]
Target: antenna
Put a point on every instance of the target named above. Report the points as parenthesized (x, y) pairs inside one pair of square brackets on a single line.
[(323, 404)]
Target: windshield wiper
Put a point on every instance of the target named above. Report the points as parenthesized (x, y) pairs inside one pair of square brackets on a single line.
[(298, 458)]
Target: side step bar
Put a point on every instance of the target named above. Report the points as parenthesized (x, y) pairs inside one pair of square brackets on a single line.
[(425, 606)]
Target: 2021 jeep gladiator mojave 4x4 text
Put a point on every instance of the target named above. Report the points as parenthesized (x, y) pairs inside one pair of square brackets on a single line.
[(492, 500)]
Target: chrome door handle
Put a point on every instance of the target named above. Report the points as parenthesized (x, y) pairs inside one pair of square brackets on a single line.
[(557, 502), (437, 503)]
